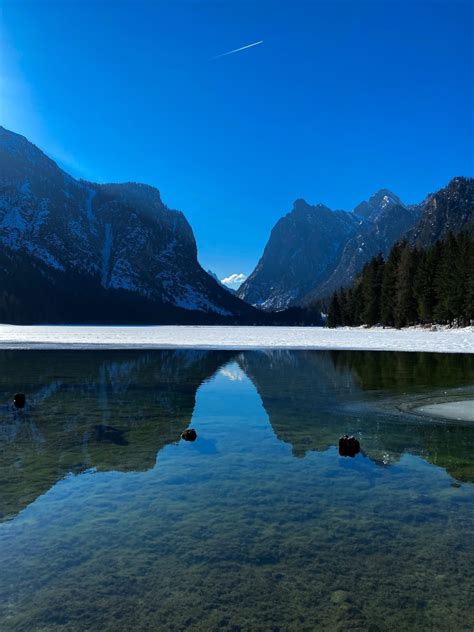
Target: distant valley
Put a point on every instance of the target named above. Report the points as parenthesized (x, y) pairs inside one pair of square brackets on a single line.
[(80, 252)]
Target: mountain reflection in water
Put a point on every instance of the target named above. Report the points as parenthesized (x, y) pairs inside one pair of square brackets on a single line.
[(116, 410), (110, 522)]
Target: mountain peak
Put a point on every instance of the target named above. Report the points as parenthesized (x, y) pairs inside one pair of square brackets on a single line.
[(12, 142), (302, 208), (377, 203)]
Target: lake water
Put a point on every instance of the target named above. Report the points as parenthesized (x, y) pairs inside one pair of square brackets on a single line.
[(110, 522)]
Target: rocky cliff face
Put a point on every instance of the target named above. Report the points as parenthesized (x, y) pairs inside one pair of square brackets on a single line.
[(96, 251), (383, 220), (303, 250), (450, 209), (313, 250)]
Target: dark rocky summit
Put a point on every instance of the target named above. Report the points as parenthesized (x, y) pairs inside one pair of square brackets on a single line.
[(303, 250), (312, 251)]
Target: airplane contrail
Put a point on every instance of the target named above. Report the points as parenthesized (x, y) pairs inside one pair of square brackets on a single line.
[(237, 50)]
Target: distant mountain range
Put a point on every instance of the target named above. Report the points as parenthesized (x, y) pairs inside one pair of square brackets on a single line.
[(74, 251), (312, 250)]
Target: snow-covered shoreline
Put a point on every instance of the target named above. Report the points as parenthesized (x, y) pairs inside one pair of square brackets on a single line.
[(443, 340)]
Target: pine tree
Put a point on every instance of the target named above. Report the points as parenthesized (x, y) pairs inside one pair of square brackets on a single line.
[(405, 306), (372, 290), (468, 301), (465, 269), (424, 283), (348, 307), (412, 285), (389, 286), (357, 303), (334, 312), (448, 293)]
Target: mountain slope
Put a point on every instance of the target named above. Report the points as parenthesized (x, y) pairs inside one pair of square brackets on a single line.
[(96, 252), (450, 209), (388, 220), (313, 250), (303, 249)]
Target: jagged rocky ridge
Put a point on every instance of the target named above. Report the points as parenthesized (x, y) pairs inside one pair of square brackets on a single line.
[(450, 209), (312, 250), (77, 251)]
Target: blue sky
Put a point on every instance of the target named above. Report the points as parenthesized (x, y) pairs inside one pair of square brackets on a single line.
[(341, 99)]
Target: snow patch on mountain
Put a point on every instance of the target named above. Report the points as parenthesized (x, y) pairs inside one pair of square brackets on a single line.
[(13, 220), (190, 299)]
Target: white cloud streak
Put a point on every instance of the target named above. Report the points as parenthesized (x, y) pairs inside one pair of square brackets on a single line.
[(237, 50)]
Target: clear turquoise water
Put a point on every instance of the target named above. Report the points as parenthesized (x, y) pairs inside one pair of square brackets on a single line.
[(259, 524)]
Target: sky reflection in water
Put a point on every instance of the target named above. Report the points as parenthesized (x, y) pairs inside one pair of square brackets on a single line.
[(110, 522)]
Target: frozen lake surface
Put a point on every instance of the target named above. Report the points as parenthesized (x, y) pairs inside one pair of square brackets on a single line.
[(443, 340), (462, 410)]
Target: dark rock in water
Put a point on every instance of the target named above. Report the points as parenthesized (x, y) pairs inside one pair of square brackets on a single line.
[(348, 446), (189, 435), (110, 434), (19, 400)]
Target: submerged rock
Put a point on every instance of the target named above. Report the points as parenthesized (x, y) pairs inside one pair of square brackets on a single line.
[(348, 446), (19, 400), (110, 434), (189, 435), (339, 597)]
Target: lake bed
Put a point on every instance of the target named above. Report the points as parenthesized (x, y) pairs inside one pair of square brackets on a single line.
[(110, 521)]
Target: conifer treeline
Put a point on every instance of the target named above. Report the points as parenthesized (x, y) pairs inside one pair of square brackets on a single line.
[(411, 286)]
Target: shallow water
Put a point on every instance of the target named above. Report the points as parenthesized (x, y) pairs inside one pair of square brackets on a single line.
[(108, 521)]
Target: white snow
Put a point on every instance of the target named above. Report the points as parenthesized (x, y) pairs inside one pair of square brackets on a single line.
[(190, 299), (43, 254), (206, 337), (13, 220), (461, 410)]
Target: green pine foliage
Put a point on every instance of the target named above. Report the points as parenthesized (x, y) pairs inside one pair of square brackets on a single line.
[(411, 286)]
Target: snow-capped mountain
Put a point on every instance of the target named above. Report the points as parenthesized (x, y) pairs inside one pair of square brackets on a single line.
[(313, 250), (79, 251), (216, 278)]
